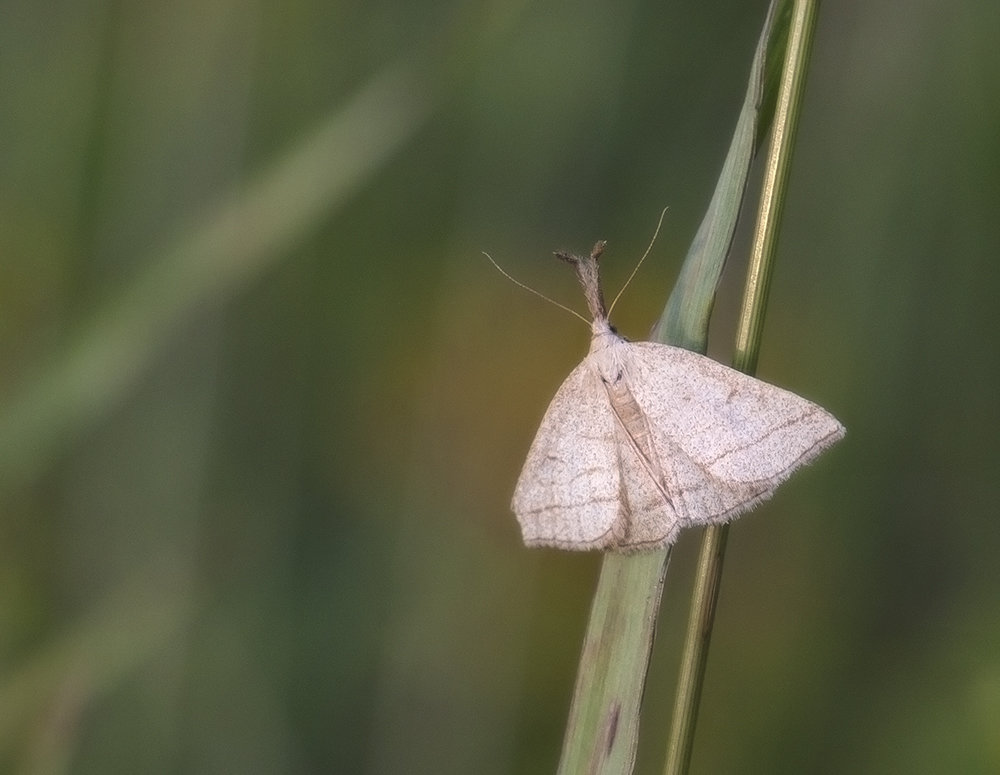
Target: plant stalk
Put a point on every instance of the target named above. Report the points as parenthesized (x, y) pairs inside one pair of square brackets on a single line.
[(751, 322)]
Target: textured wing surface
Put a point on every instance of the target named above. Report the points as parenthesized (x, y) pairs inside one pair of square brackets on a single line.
[(568, 493), (726, 440), (652, 520)]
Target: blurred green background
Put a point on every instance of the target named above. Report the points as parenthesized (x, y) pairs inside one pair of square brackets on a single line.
[(263, 402)]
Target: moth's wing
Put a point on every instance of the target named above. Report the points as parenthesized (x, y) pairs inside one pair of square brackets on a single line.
[(652, 520), (726, 440), (568, 493)]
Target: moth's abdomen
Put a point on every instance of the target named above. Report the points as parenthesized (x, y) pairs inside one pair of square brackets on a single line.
[(632, 418)]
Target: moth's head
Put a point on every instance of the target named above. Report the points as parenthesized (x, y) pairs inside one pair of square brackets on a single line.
[(586, 266), (590, 278)]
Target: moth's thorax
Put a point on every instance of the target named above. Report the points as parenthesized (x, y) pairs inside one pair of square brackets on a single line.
[(605, 351)]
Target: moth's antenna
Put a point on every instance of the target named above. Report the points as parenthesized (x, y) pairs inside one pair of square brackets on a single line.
[(532, 290), (655, 233)]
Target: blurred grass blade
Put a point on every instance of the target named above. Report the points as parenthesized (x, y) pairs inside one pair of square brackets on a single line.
[(602, 730), (232, 244), (212, 260), (119, 635), (713, 548)]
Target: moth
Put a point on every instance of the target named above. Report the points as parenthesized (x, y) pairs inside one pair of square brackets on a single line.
[(645, 439)]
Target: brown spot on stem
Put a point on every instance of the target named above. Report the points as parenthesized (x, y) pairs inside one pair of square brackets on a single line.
[(613, 716)]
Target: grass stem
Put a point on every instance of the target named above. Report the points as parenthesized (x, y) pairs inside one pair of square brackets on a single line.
[(751, 322)]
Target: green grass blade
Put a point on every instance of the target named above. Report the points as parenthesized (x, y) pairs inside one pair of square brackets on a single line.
[(713, 548), (602, 730), (685, 317), (603, 725)]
